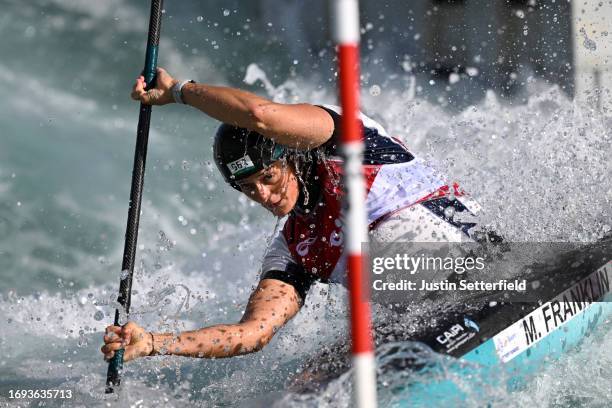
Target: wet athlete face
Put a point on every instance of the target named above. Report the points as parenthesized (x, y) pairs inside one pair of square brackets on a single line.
[(275, 188)]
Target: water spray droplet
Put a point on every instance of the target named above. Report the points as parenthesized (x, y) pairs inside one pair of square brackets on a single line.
[(449, 212)]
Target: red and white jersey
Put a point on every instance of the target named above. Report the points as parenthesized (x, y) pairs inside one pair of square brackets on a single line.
[(311, 240)]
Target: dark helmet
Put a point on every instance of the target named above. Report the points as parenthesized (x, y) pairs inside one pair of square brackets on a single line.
[(240, 153)]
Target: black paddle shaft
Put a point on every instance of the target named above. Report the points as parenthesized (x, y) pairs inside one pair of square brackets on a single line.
[(113, 377)]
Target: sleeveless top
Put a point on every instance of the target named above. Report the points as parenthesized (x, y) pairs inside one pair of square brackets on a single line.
[(310, 244)]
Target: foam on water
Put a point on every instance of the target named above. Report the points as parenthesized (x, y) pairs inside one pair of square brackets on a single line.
[(538, 168)]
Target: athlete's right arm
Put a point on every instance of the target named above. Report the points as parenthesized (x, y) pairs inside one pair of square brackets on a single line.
[(270, 306), (301, 126)]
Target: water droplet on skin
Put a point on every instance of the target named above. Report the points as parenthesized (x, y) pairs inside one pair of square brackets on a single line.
[(588, 43)]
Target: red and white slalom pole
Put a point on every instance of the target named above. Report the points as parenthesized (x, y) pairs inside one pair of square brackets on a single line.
[(346, 35)]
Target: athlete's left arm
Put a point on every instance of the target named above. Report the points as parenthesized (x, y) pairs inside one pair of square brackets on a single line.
[(270, 306)]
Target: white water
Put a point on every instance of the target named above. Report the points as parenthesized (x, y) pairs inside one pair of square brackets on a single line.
[(521, 176)]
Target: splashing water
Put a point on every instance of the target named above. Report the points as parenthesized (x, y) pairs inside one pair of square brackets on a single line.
[(536, 168)]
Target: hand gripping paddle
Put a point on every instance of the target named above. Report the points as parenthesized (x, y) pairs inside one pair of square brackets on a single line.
[(113, 377)]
